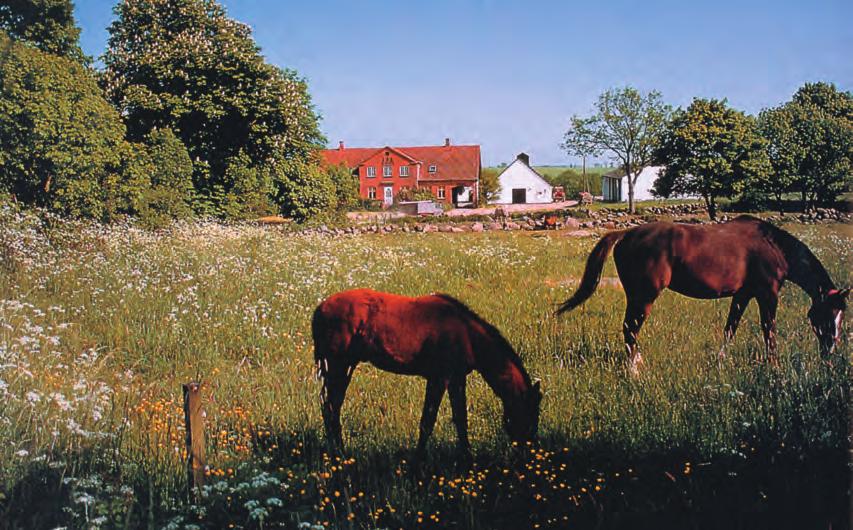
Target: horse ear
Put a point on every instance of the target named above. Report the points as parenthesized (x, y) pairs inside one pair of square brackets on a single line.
[(536, 386)]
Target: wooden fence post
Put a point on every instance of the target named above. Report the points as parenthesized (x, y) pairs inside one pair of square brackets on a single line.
[(194, 418)]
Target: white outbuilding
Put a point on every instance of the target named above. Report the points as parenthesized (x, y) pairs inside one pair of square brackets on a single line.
[(614, 185), (521, 184)]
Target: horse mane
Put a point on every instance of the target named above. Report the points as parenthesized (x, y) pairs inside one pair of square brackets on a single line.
[(492, 332), (804, 268)]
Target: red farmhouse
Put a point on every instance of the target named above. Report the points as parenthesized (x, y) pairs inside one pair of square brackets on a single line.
[(450, 172)]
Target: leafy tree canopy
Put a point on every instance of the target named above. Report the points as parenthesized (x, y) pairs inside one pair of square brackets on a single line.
[(304, 190), (61, 142), (46, 24), (184, 65), (822, 123), (159, 179), (809, 144), (627, 124), (785, 153), (346, 186), (709, 149)]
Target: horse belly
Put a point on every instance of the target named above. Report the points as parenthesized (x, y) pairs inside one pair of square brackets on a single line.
[(398, 353), (709, 284), (395, 364)]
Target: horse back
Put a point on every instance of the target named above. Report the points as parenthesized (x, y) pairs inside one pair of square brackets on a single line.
[(395, 333), (702, 261)]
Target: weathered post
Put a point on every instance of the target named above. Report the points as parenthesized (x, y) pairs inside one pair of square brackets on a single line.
[(194, 418)]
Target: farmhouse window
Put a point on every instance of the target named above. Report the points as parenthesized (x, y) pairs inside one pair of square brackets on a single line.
[(441, 192), (371, 192), (432, 168), (371, 171), (404, 171), (387, 171)]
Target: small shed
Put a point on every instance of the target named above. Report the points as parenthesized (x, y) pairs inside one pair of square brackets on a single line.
[(521, 184)]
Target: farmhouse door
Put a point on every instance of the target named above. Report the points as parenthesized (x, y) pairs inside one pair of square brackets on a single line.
[(389, 195), (519, 195)]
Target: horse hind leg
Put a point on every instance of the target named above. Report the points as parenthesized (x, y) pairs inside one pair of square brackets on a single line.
[(435, 389), (336, 379), (739, 303), (458, 403), (635, 315), (767, 308)]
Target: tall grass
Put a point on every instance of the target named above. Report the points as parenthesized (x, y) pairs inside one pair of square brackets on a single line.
[(99, 326)]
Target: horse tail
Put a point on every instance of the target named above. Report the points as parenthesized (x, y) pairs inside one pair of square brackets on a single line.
[(592, 273)]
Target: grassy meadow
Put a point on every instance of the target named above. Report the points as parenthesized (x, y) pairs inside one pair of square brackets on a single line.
[(100, 326)]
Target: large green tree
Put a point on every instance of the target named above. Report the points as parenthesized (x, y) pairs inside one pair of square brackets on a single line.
[(785, 154), (46, 24), (158, 177), (346, 186), (810, 144), (711, 150), (822, 119), (627, 124), (184, 65), (582, 146), (61, 143)]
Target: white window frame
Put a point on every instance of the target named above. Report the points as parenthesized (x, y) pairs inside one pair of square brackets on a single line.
[(433, 168), (440, 192), (371, 171), (404, 171), (387, 171), (371, 192)]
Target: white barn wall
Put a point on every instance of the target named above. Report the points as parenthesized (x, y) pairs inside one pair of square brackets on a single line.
[(520, 175), (643, 187)]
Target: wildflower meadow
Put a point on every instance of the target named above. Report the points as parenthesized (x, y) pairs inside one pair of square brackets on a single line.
[(100, 326)]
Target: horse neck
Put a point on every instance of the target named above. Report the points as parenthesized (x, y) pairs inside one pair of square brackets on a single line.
[(804, 269), (502, 370)]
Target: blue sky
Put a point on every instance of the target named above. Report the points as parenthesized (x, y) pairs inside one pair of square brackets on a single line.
[(508, 75)]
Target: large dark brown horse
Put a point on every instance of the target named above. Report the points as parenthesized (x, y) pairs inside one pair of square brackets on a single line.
[(745, 258), (435, 337)]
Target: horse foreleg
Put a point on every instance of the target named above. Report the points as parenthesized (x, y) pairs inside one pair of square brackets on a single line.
[(335, 383), (435, 389), (635, 314), (739, 303), (460, 414), (767, 307)]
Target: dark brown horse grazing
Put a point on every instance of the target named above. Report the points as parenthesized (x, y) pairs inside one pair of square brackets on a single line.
[(745, 258), (435, 337)]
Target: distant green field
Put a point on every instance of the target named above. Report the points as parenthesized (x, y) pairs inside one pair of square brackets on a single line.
[(553, 171)]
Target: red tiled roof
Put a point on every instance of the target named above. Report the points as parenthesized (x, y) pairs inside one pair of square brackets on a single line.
[(351, 156), (452, 162)]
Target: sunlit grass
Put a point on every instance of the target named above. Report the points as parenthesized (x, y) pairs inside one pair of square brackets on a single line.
[(99, 327)]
